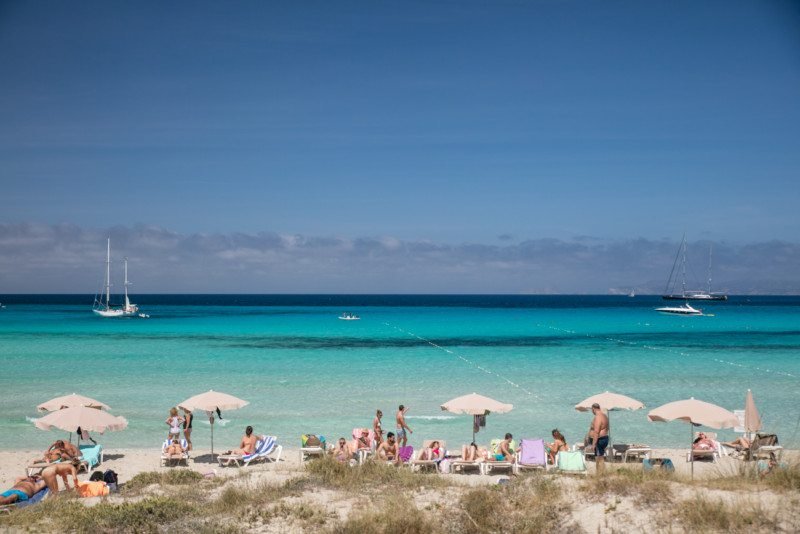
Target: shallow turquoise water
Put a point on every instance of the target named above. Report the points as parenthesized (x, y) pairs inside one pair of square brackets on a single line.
[(305, 371)]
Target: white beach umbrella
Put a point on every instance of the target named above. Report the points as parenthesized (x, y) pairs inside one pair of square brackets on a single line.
[(85, 417), (609, 402), (211, 401), (68, 401), (696, 413), (474, 404)]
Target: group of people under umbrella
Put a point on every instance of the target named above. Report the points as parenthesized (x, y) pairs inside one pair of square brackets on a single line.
[(72, 412)]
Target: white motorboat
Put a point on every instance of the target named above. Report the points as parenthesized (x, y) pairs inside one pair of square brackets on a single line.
[(346, 316), (102, 307), (686, 309)]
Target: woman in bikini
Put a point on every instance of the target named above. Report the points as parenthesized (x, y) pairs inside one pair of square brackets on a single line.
[(433, 453), (174, 422), (559, 444), (187, 427)]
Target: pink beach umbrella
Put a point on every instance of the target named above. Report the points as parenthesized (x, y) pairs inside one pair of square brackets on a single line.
[(87, 418), (68, 401), (696, 413), (475, 405)]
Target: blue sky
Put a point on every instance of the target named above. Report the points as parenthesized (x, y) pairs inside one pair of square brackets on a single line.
[(443, 122)]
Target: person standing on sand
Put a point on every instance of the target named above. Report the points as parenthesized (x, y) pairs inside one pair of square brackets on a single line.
[(599, 436), (376, 427), (402, 427), (187, 427), (174, 422)]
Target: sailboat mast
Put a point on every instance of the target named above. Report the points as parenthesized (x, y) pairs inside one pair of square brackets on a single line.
[(108, 274), (684, 266), (710, 252), (126, 282)]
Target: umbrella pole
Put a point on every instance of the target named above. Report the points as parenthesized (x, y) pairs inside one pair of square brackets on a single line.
[(212, 436), (691, 450)]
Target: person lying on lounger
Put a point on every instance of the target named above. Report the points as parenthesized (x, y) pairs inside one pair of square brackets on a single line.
[(58, 451), (23, 489), (175, 449), (471, 452), (63, 470), (247, 445), (739, 444), (433, 453), (388, 449), (703, 443)]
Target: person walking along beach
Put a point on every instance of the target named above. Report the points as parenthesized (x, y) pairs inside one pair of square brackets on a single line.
[(599, 436), (402, 428)]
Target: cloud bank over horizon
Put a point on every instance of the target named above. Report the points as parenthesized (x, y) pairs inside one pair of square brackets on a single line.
[(64, 258)]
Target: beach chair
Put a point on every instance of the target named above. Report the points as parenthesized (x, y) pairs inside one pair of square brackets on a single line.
[(311, 445), (763, 445), (167, 460), (459, 465), (531, 455), (701, 454), (571, 462), (92, 454), (361, 452), (624, 451), (36, 468), (267, 450), (418, 464), (35, 499), (497, 465)]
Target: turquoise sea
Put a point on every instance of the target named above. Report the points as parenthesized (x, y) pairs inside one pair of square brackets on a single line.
[(303, 370)]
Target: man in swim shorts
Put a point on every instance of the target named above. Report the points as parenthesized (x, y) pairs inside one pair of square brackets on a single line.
[(599, 436), (23, 489), (402, 427)]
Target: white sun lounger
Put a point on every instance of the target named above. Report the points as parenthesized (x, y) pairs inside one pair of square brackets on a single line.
[(267, 450), (167, 460), (416, 463)]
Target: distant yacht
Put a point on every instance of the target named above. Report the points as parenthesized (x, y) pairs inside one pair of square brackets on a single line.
[(686, 309), (632, 293), (103, 308), (347, 316), (670, 292)]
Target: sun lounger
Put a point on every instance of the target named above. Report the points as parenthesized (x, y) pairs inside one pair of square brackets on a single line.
[(571, 462), (415, 462), (702, 454), (622, 451), (35, 499), (531, 455), (362, 453), (763, 445), (37, 467), (462, 466), (93, 454), (308, 448), (267, 450), (492, 465), (175, 459)]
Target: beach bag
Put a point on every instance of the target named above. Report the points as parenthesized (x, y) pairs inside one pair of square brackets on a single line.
[(110, 477), (444, 466), (96, 476)]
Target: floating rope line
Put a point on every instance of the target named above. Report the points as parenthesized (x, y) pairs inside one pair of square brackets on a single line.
[(665, 349), (466, 360)]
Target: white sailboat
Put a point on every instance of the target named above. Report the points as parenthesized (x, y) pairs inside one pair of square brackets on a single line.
[(104, 308), (671, 293)]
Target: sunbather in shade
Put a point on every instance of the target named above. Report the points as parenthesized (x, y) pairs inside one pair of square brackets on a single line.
[(703, 443), (388, 449), (58, 451), (432, 453), (23, 489), (64, 469), (248, 444)]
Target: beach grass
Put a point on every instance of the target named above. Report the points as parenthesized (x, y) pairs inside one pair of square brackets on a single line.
[(329, 473), (707, 514), (646, 487)]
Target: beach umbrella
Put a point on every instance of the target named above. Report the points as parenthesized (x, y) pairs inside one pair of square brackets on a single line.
[(475, 405), (696, 413), (752, 421), (609, 402), (68, 401), (212, 401), (91, 419)]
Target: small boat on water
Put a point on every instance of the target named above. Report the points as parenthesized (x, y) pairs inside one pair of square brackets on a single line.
[(103, 307), (632, 293), (347, 316), (686, 309)]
